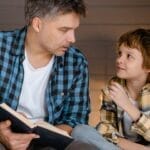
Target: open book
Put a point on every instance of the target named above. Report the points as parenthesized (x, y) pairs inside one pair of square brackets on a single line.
[(49, 134)]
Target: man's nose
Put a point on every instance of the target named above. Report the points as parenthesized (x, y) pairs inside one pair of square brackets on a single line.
[(71, 37)]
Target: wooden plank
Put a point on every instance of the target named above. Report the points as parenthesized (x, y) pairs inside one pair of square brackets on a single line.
[(97, 82), (110, 69), (12, 3), (89, 2), (117, 15), (102, 66), (11, 15), (96, 15), (97, 49), (109, 33), (6, 27), (118, 2), (95, 101), (97, 66), (94, 118)]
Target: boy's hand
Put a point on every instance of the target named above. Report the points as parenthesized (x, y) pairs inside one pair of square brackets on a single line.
[(119, 95)]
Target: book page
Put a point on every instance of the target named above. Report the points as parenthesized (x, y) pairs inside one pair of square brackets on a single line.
[(17, 115), (51, 127)]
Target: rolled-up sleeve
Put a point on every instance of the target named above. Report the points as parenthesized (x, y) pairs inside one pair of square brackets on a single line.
[(142, 126)]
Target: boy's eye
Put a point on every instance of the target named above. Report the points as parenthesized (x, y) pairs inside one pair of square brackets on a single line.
[(129, 56), (119, 54)]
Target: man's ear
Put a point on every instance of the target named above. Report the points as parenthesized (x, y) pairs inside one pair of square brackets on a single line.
[(36, 24)]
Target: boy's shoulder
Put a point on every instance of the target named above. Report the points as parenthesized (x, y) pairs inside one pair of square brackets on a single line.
[(146, 89)]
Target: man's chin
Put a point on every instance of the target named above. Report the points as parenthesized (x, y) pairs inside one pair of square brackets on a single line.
[(60, 53)]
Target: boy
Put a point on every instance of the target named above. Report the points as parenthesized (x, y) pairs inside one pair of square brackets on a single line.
[(125, 111)]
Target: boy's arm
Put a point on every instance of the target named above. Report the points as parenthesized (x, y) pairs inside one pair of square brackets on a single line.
[(108, 125), (128, 145), (142, 126), (141, 121)]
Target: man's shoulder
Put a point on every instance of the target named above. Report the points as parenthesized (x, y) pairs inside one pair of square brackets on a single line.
[(12, 41), (8, 33), (11, 33)]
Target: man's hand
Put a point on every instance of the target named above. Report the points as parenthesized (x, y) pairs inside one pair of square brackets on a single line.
[(14, 141)]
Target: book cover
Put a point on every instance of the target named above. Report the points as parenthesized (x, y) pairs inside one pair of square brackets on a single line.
[(49, 134)]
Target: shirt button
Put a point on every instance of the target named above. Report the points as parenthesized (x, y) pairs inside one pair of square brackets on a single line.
[(62, 93)]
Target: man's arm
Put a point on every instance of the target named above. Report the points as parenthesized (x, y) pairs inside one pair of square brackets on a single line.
[(76, 103), (65, 127)]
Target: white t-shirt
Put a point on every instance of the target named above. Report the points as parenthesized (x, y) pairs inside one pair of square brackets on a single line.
[(31, 102), (127, 121)]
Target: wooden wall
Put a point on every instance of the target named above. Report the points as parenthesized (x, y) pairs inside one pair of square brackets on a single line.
[(96, 37)]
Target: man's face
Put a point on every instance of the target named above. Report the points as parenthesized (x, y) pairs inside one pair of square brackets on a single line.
[(57, 33)]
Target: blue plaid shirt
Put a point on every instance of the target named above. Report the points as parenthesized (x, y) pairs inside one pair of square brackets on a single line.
[(67, 93)]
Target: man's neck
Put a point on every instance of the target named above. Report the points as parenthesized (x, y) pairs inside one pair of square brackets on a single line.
[(38, 60), (37, 56)]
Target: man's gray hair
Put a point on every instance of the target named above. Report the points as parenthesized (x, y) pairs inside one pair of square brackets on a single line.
[(42, 8)]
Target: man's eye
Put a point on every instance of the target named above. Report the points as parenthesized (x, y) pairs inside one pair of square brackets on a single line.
[(64, 30)]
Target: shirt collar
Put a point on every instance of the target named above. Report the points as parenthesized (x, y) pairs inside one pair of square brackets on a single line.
[(19, 41)]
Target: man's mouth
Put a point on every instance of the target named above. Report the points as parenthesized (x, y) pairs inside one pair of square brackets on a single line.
[(65, 47)]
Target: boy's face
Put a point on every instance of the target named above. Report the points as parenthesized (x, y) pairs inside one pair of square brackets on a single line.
[(129, 64), (58, 33)]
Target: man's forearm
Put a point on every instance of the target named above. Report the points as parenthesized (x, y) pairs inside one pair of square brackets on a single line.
[(65, 127)]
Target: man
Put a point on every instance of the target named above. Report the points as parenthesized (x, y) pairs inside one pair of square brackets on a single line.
[(41, 75)]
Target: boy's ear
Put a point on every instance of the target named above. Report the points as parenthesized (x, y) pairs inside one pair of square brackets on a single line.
[(36, 24)]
